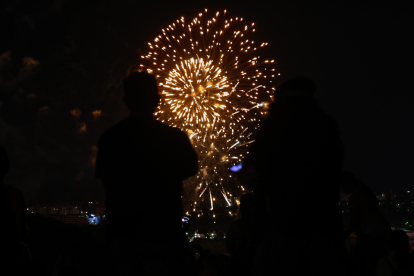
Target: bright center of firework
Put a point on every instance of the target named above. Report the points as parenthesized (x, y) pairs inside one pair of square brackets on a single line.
[(201, 88), (214, 86)]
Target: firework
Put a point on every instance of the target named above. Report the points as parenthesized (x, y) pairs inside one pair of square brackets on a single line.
[(216, 87)]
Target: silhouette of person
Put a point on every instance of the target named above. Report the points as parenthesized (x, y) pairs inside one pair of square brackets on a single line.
[(399, 260), (13, 202), (295, 165), (365, 215), (14, 217), (370, 227), (142, 163)]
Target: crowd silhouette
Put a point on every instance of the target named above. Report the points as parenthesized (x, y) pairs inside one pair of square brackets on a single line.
[(294, 167)]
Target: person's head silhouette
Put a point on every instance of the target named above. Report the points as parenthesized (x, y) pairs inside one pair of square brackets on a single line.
[(141, 94)]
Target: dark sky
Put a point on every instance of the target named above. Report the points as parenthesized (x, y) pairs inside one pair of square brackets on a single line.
[(360, 56)]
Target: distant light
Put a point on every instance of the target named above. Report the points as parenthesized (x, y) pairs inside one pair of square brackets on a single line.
[(236, 168)]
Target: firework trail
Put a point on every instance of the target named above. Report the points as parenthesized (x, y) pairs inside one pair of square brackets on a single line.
[(216, 87)]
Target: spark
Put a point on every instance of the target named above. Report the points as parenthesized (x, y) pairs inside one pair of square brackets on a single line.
[(225, 197), (211, 201)]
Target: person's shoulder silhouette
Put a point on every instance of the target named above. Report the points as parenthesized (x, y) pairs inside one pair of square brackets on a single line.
[(141, 160)]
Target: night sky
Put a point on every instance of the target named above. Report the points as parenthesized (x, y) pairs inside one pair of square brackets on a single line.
[(58, 56)]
